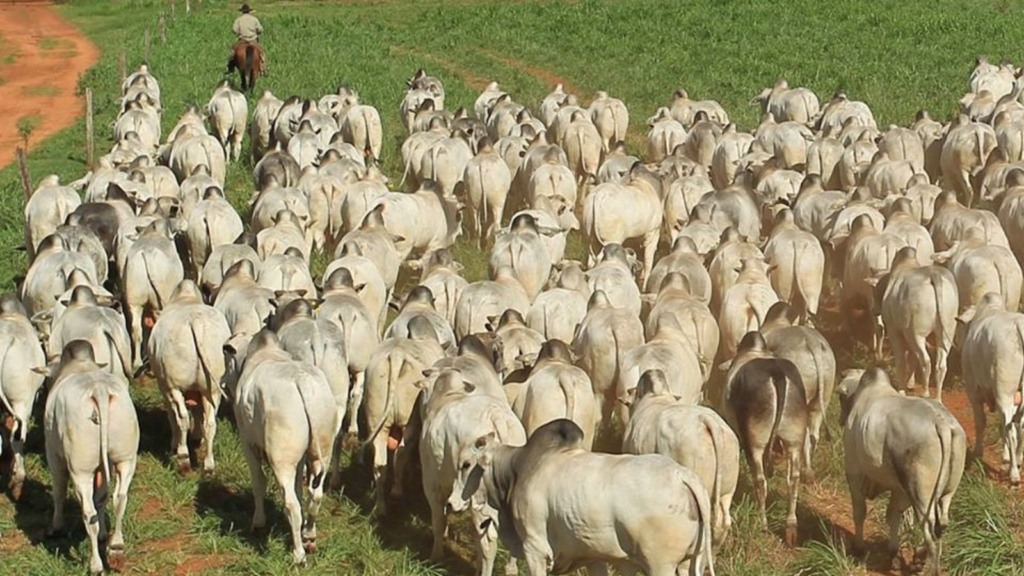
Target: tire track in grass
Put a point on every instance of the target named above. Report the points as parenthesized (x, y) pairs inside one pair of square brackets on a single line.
[(468, 77)]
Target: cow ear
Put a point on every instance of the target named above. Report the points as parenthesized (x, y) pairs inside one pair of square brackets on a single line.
[(484, 440), (469, 388), (44, 370), (458, 267), (724, 366)]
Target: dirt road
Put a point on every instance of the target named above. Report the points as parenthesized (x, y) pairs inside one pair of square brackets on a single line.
[(41, 59)]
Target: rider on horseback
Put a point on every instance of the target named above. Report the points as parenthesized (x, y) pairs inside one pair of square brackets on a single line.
[(248, 29)]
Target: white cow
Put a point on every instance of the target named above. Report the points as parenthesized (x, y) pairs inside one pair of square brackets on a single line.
[(152, 270), (918, 302), (227, 112), (993, 365), (91, 431), (19, 384), (798, 265), (487, 181), (604, 338), (745, 305), (454, 414), (285, 413), (522, 250), (185, 353), (552, 500), (389, 397), (616, 212), (879, 422), (557, 389), (694, 436)]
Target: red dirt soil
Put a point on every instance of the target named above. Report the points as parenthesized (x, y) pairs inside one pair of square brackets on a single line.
[(41, 59)]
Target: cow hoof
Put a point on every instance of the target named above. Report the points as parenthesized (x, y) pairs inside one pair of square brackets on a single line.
[(184, 466), (896, 565), (309, 546), (16, 489), (54, 533), (351, 442), (791, 535), (116, 560)]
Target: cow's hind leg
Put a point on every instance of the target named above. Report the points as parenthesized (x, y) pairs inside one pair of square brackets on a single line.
[(316, 497), (355, 399), (923, 368), (83, 485), (59, 472), (210, 406), (1011, 441), (793, 484), (180, 425), (286, 475), (259, 486), (125, 471), (894, 518), (755, 460), (978, 408), (939, 368)]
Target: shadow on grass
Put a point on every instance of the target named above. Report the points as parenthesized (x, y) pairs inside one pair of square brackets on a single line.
[(32, 514), (235, 509), (406, 526), (813, 526)]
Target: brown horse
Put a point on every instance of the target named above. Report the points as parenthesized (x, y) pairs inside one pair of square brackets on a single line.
[(247, 58)]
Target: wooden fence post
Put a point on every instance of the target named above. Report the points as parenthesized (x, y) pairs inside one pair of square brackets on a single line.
[(145, 43), (90, 144), (163, 29), (188, 6), (174, 5), (26, 184)]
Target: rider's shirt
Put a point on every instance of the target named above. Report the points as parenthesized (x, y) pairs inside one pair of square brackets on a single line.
[(247, 28)]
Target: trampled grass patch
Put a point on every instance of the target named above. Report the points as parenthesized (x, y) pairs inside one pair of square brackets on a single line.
[(898, 57)]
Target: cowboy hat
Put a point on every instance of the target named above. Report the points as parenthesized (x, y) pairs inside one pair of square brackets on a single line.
[(245, 9)]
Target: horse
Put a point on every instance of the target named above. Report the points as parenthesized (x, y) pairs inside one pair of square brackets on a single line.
[(247, 58)]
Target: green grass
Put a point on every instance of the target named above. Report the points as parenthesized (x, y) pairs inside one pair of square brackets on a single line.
[(896, 56), (47, 43)]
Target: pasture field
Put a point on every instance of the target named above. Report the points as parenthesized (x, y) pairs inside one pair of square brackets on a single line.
[(896, 56)]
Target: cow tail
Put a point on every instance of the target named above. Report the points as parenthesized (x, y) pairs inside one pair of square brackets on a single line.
[(395, 362), (939, 297), (115, 352), (101, 401), (314, 451), (583, 157), (779, 381), (934, 511), (319, 347), (820, 377), (366, 133), (615, 129), (798, 280), (484, 213), (979, 136), (19, 426), (204, 362), (566, 383), (716, 485), (1019, 413), (435, 151), (209, 241), (703, 551), (152, 284)]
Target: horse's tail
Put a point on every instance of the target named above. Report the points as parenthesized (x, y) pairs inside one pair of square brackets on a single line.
[(250, 59)]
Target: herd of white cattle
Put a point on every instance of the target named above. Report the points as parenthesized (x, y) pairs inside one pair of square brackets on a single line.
[(501, 386)]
